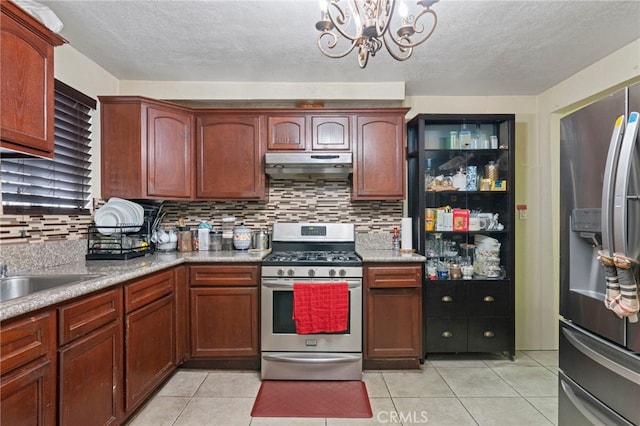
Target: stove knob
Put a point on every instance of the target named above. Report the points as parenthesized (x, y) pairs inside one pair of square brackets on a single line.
[(342, 272), (332, 272), (280, 272), (312, 272), (291, 272)]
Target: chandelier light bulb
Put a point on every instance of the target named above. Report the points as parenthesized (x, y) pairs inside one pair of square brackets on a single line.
[(367, 25)]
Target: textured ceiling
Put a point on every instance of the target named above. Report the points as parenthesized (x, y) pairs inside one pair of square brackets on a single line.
[(480, 47)]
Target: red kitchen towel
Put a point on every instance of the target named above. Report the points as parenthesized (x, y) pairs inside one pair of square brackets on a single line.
[(320, 307)]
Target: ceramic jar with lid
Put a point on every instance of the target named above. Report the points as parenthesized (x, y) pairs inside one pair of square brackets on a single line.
[(242, 237)]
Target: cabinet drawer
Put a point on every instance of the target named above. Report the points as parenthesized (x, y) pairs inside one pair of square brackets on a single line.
[(446, 299), (147, 289), (489, 299), (26, 339), (389, 276), (224, 275), (88, 314), (446, 335), (488, 334)]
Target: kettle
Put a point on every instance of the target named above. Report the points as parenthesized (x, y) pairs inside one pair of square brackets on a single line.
[(261, 240)]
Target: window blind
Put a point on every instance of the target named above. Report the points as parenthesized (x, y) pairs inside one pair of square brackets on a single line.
[(61, 185)]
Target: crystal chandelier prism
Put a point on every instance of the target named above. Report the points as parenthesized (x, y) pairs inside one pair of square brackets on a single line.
[(367, 25)]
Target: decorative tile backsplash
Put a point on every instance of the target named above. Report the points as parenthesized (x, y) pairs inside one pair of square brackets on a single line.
[(299, 200)]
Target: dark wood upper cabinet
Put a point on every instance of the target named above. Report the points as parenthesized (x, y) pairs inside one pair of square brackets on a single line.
[(230, 153), (26, 79), (287, 132), (379, 157), (331, 132), (147, 149)]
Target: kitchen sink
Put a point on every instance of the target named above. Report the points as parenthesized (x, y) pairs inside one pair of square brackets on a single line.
[(24, 285)]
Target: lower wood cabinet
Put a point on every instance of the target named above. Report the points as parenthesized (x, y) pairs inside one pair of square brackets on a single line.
[(90, 360), (224, 307), (474, 316), (28, 365), (150, 335), (393, 315)]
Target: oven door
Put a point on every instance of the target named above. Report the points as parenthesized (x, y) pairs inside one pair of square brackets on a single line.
[(278, 330)]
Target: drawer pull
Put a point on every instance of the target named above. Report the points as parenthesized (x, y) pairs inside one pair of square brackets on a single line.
[(447, 334), (488, 299), (447, 299), (488, 333)]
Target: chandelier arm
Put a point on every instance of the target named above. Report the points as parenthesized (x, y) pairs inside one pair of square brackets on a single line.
[(342, 20), (405, 51), (389, 6), (405, 42), (332, 44)]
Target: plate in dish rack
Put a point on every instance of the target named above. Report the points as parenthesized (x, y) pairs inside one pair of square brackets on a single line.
[(107, 218)]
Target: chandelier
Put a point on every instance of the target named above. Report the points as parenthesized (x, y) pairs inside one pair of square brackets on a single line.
[(369, 24)]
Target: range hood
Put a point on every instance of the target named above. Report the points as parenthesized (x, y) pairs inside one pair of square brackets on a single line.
[(288, 165)]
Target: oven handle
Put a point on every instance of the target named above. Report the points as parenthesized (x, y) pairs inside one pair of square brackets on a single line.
[(334, 359), (289, 286)]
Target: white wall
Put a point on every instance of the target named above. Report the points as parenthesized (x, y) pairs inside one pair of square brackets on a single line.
[(81, 73), (537, 152)]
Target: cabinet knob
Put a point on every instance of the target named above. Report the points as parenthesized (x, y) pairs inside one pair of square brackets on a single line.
[(488, 333), (447, 334), (488, 299), (447, 299)]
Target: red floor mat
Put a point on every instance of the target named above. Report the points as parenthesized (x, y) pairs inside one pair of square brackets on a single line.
[(339, 399)]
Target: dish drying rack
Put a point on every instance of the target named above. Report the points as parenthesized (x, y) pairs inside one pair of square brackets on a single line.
[(119, 242)]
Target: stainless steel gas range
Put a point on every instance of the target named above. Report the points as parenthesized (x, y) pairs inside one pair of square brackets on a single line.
[(313, 253)]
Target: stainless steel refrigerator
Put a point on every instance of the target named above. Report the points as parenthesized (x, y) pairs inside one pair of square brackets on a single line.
[(599, 377)]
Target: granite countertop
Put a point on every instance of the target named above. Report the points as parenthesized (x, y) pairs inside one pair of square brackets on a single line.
[(112, 272), (117, 271)]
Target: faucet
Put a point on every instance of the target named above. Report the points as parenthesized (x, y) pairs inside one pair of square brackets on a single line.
[(3, 270)]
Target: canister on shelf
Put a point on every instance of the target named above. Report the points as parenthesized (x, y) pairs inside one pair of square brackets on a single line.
[(429, 219), (491, 171), (472, 178)]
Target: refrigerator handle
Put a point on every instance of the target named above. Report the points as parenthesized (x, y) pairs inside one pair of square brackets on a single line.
[(577, 341), (608, 186), (621, 188), (580, 406)]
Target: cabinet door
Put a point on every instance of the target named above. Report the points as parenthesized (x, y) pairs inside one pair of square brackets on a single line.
[(149, 349), (224, 322), (394, 320), (379, 169), (26, 79), (170, 154), (28, 366), (90, 388), (28, 394), (286, 132), (331, 133), (230, 152)]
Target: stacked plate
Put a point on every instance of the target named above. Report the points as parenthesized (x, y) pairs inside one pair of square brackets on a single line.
[(119, 215)]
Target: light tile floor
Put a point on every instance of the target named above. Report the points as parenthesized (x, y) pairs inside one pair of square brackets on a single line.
[(464, 389)]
